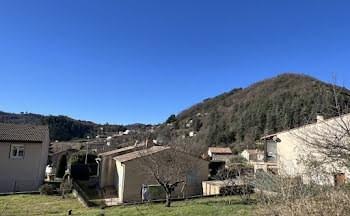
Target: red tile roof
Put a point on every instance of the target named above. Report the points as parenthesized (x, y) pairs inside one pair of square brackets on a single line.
[(217, 150), (22, 132)]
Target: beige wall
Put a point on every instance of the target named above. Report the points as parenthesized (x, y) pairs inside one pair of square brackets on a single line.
[(135, 177), (107, 171), (221, 157), (293, 148), (28, 172)]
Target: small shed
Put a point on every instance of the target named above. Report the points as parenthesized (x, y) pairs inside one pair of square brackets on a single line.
[(220, 154)]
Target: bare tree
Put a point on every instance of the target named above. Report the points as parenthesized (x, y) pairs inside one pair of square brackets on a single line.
[(171, 165), (324, 150), (328, 143)]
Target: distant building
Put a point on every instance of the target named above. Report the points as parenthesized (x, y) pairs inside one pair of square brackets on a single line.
[(220, 154), (23, 156), (56, 156), (253, 155)]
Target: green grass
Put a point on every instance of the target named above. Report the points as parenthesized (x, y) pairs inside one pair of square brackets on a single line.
[(55, 205)]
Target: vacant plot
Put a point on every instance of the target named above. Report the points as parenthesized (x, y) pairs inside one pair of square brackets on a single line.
[(55, 205)]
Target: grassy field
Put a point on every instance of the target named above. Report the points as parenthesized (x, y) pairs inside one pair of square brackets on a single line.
[(55, 205)]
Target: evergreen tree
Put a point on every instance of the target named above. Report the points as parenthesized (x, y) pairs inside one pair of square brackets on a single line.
[(61, 166)]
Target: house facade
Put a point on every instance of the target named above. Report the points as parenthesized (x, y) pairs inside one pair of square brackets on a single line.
[(253, 155), (287, 152), (23, 156), (220, 154), (121, 170)]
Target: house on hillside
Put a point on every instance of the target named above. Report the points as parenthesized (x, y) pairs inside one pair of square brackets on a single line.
[(121, 175), (56, 156), (220, 154), (285, 151), (23, 156), (253, 155)]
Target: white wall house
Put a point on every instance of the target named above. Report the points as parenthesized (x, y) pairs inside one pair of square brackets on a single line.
[(253, 155), (289, 150)]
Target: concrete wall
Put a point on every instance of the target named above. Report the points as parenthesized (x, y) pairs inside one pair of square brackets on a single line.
[(107, 171), (221, 157), (29, 172), (135, 177)]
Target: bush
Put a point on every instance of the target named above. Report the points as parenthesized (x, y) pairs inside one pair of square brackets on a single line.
[(61, 166), (47, 189), (79, 158), (66, 187)]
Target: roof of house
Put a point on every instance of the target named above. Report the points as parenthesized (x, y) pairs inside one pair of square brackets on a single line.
[(121, 150), (217, 150), (303, 126), (22, 132), (140, 153)]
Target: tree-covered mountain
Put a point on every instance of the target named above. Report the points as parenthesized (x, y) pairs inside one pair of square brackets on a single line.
[(240, 117), (61, 127), (236, 119)]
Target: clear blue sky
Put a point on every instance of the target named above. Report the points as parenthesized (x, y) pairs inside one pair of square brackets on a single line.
[(126, 61)]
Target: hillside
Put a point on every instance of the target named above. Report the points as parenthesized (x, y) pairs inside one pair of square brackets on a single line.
[(61, 127), (238, 118)]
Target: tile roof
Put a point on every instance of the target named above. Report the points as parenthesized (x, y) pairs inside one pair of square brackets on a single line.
[(122, 150), (217, 150), (305, 126), (22, 132), (140, 153)]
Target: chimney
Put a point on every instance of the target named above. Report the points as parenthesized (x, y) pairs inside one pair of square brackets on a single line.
[(320, 118)]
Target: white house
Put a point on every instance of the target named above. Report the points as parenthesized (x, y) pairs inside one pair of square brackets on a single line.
[(288, 150), (253, 155)]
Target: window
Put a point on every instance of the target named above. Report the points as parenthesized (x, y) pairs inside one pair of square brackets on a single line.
[(17, 151)]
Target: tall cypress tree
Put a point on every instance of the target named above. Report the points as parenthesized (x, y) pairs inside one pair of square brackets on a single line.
[(61, 166)]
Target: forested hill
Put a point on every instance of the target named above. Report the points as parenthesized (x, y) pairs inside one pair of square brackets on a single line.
[(240, 117), (61, 127)]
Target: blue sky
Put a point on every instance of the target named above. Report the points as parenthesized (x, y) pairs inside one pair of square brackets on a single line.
[(126, 61)]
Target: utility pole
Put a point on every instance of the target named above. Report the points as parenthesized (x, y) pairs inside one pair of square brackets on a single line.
[(87, 149)]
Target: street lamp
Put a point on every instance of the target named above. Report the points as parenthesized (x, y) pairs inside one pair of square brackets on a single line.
[(87, 149)]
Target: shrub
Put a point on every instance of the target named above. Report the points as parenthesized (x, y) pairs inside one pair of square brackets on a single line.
[(66, 187), (79, 158), (61, 166), (47, 189)]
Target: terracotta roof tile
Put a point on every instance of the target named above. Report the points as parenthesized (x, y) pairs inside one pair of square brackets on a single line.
[(22, 132), (140, 153), (217, 150)]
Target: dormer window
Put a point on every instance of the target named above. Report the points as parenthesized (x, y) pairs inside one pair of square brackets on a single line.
[(17, 151)]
